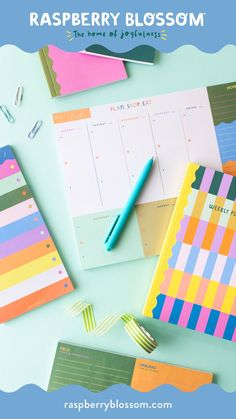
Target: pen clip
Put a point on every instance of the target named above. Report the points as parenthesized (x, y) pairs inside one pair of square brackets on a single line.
[(112, 228)]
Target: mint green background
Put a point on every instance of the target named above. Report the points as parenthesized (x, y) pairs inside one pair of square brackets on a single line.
[(28, 343)]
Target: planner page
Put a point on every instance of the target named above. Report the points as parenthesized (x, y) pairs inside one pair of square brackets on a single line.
[(103, 150)]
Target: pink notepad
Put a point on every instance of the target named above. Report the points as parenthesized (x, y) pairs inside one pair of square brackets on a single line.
[(71, 72)]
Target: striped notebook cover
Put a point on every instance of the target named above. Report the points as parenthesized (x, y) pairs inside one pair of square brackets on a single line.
[(194, 285), (31, 271)]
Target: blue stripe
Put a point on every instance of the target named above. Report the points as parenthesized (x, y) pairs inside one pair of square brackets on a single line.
[(227, 145), (176, 311), (210, 264), (230, 328), (20, 226), (192, 259), (212, 322), (195, 313), (175, 254), (231, 133), (6, 153), (228, 270), (156, 312)]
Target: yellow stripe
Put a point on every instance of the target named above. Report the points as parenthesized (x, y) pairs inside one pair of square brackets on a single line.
[(232, 220), (215, 215), (175, 283), (193, 289), (228, 300), (210, 294), (28, 270), (199, 204), (170, 239)]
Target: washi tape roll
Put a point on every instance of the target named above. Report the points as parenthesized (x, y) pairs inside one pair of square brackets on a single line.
[(133, 328)]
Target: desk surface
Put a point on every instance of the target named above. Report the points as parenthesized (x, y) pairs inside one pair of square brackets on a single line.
[(29, 342)]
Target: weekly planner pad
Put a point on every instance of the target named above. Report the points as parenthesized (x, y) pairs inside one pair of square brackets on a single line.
[(97, 370), (31, 271), (104, 148), (195, 281)]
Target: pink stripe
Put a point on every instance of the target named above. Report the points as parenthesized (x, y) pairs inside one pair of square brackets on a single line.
[(220, 296), (221, 325), (8, 168), (224, 186), (167, 309), (183, 228), (185, 314), (215, 246), (234, 336), (184, 284), (203, 319), (202, 291), (200, 233), (206, 181), (17, 212), (165, 284), (232, 251)]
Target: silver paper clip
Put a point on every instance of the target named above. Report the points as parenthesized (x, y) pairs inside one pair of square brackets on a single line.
[(35, 129), (19, 95), (7, 114)]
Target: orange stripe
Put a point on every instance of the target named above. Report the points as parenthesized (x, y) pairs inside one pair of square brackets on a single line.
[(226, 241), (27, 255), (191, 230), (69, 116), (209, 236), (35, 300)]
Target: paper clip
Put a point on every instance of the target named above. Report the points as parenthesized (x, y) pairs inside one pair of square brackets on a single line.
[(7, 114), (35, 129), (19, 96)]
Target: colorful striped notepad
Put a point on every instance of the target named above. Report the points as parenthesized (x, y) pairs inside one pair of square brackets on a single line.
[(195, 281), (31, 271), (97, 370)]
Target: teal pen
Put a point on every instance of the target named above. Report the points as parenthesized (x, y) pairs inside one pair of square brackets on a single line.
[(122, 219)]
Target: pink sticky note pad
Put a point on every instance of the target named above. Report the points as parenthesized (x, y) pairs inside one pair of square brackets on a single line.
[(77, 71)]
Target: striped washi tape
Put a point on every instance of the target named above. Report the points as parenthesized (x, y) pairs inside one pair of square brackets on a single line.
[(134, 329)]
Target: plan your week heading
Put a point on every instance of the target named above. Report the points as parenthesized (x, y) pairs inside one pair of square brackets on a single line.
[(129, 19)]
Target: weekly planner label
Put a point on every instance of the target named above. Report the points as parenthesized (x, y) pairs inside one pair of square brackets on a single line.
[(31, 270), (104, 148)]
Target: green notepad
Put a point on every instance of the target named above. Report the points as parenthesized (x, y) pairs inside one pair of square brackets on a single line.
[(142, 54), (93, 369)]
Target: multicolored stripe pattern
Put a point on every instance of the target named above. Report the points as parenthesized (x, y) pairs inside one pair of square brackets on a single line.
[(199, 289), (31, 270)]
